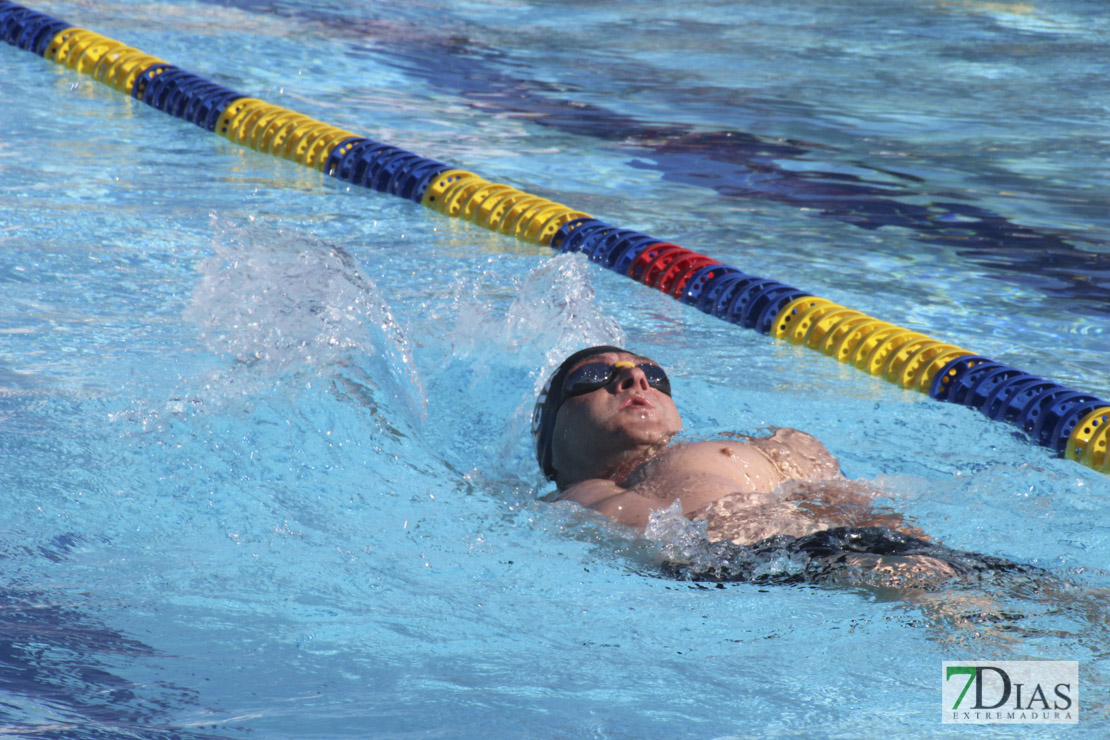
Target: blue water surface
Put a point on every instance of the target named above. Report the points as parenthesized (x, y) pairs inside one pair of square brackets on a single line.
[(264, 448)]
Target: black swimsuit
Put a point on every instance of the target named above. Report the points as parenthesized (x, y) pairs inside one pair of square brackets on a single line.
[(828, 556)]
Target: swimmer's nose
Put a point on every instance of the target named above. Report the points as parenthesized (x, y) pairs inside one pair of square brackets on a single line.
[(631, 377)]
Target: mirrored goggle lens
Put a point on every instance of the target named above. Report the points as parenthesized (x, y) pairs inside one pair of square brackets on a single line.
[(594, 375), (656, 378)]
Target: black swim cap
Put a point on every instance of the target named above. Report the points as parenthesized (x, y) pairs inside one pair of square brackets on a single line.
[(547, 405)]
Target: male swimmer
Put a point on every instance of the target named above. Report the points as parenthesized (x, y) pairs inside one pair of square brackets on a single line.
[(604, 427)]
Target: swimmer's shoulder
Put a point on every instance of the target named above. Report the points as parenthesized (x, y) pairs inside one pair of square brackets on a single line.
[(590, 492), (622, 505)]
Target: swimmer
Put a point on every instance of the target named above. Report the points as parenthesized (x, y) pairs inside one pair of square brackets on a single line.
[(604, 427)]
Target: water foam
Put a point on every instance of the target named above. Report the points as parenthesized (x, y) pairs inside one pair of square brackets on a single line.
[(500, 347), (286, 303), (687, 551)]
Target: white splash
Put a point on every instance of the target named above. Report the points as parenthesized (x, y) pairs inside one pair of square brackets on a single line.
[(686, 544), (681, 540), (499, 345), (556, 312), (287, 303)]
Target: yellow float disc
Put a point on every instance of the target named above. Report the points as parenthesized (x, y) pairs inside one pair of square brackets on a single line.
[(491, 211), (437, 187), (824, 323), (292, 135), (278, 132), (1096, 455), (529, 227), (249, 118), (895, 361), (59, 46), (520, 209), (317, 149), (457, 193), (876, 358), (85, 54), (122, 71), (551, 226), (227, 119), (1083, 439), (837, 332), (470, 209), (299, 144), (850, 346), (789, 316), (261, 131), (271, 138), (931, 361)]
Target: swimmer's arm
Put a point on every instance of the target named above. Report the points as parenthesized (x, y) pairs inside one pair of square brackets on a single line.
[(633, 505), (622, 505)]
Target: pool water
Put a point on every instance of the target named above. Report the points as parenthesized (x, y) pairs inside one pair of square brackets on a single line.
[(264, 444)]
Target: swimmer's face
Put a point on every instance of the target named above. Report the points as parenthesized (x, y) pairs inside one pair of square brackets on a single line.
[(626, 413)]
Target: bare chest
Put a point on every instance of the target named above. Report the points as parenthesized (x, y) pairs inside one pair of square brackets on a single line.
[(711, 468)]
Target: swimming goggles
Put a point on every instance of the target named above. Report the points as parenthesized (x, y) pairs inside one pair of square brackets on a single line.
[(594, 375)]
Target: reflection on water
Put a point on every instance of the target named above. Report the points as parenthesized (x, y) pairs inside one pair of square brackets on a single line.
[(818, 179), (60, 674), (815, 177)]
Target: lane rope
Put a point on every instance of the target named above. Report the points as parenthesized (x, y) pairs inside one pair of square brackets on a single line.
[(1074, 425)]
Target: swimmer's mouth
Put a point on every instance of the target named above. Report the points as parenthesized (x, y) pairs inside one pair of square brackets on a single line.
[(637, 401)]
